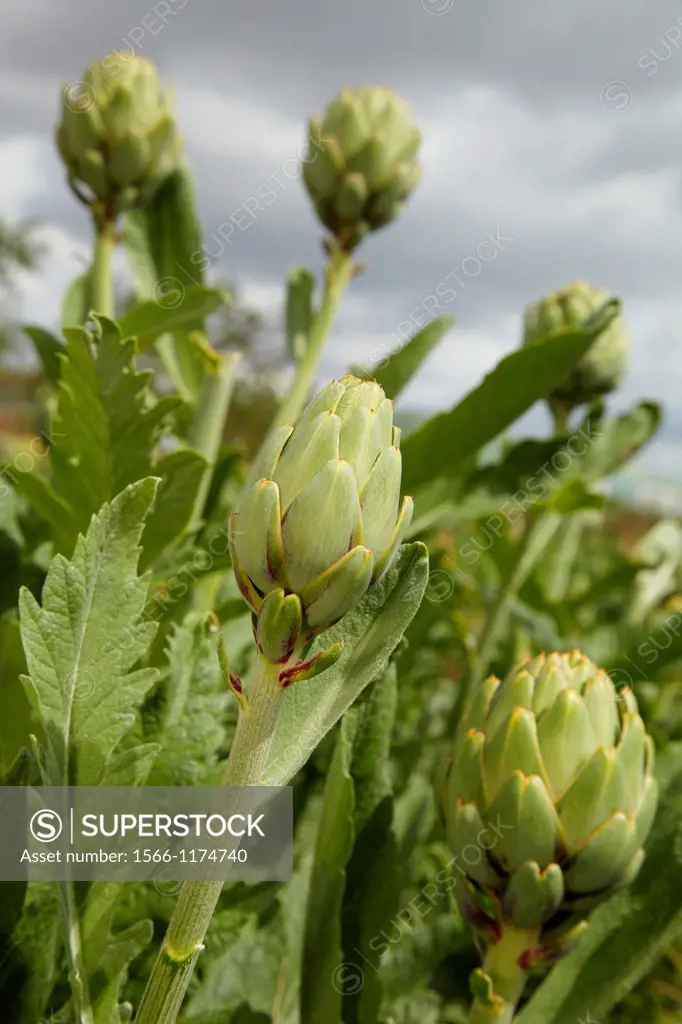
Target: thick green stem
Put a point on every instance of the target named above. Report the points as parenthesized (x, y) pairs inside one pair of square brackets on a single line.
[(208, 426), (78, 977), (102, 291), (184, 938), (508, 979), (338, 273), (539, 531)]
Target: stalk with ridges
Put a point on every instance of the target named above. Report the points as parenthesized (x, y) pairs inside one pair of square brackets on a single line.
[(102, 290), (501, 964), (208, 427), (197, 900), (338, 273)]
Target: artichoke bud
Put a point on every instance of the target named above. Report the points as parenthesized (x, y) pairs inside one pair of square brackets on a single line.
[(548, 798), (603, 366), (117, 136), (320, 520), (361, 164)]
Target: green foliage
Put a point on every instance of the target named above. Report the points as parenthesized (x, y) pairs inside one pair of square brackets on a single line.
[(108, 954), (395, 371), (30, 962), (82, 644), (77, 300), (517, 382), (323, 952), (113, 544), (105, 432), (49, 348), (15, 723), (369, 634), (189, 709), (163, 240), (149, 319)]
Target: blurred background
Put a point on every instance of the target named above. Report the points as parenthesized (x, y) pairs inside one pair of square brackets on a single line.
[(554, 129)]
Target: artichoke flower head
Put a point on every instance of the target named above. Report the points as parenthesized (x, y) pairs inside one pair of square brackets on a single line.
[(361, 164), (320, 520), (603, 366), (550, 795), (117, 136)]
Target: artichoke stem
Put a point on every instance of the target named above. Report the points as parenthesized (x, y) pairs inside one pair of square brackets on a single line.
[(338, 273), (501, 964), (538, 532), (184, 938), (102, 292), (208, 427)]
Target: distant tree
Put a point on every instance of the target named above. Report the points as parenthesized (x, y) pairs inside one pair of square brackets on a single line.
[(19, 250)]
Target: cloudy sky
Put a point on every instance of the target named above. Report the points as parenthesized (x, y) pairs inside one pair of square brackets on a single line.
[(556, 126)]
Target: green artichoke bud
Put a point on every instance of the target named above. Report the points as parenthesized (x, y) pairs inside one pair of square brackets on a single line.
[(362, 162), (117, 135), (602, 367), (552, 791), (319, 522)]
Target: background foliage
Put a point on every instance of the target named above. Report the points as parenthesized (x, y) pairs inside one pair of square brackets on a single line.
[(113, 510)]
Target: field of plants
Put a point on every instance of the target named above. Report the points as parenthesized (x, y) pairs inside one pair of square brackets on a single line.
[(444, 641)]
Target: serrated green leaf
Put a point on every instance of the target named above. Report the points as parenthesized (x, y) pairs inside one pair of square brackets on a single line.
[(108, 425), (189, 717), (49, 347), (181, 473), (106, 429), (149, 319), (440, 446), (370, 634), (397, 369), (82, 643)]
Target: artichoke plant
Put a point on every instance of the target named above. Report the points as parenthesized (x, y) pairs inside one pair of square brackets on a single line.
[(547, 800), (117, 136), (602, 367), (362, 162), (319, 521)]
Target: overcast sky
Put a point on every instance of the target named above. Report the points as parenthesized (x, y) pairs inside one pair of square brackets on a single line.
[(557, 125)]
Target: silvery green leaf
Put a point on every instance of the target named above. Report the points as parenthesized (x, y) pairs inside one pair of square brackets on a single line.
[(82, 642)]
